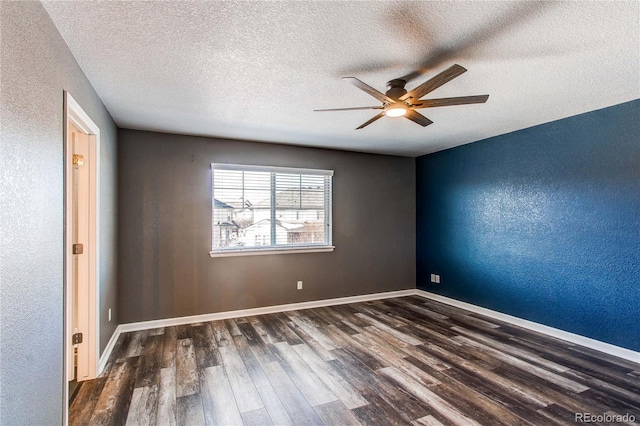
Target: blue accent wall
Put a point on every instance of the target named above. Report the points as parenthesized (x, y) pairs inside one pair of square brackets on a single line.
[(542, 224)]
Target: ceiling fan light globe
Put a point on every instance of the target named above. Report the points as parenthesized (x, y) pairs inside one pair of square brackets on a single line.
[(395, 111)]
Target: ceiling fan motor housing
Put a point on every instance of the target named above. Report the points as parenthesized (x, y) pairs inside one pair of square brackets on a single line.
[(396, 88)]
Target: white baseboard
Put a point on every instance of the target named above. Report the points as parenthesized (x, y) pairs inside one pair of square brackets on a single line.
[(530, 325), (540, 328), (147, 325), (107, 350)]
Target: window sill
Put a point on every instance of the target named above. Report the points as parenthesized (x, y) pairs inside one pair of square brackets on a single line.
[(259, 252)]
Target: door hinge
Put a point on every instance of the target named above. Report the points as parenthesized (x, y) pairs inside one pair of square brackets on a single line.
[(76, 338), (78, 160), (78, 249)]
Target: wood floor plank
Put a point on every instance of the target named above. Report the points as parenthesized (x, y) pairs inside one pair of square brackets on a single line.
[(150, 361), (334, 318), (247, 397), (514, 351), (457, 316), (607, 360), (85, 401), (533, 398), (118, 353), (187, 381), (183, 331), (134, 348), (113, 405), (457, 391), (611, 402), (335, 413), (387, 315), (306, 324), (514, 403), (220, 406), (418, 309), (268, 334), (378, 412), (340, 388), (259, 417), (566, 383), (258, 346), (221, 333), (156, 331), (232, 326), (607, 372), (296, 405), (305, 379), (250, 362), (169, 347), (570, 400), (310, 316), (357, 349), (167, 413), (379, 346), (312, 343), (421, 392), (418, 374), (189, 410), (394, 332), (401, 349), (432, 334), (207, 354), (426, 421), (614, 390), (274, 407), (406, 405), (142, 410), (558, 414), (279, 322)]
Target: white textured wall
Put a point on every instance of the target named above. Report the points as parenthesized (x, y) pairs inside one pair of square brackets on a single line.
[(36, 66)]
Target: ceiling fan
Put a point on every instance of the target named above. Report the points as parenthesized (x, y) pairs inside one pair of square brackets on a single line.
[(397, 102)]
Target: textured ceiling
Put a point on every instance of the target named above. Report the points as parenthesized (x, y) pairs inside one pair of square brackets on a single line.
[(256, 70)]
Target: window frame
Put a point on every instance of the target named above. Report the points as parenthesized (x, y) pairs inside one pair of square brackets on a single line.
[(327, 246)]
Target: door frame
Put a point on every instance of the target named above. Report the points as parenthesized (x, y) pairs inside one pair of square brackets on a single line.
[(73, 113)]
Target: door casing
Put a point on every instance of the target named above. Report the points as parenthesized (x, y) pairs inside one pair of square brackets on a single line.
[(74, 114)]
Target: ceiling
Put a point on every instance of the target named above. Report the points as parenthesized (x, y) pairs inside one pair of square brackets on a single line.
[(257, 70)]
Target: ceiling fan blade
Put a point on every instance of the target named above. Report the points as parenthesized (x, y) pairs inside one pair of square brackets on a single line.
[(370, 90), (350, 109), (410, 24), (371, 121), (462, 100), (416, 117), (435, 82)]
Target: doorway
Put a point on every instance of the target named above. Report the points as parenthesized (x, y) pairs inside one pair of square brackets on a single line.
[(81, 343)]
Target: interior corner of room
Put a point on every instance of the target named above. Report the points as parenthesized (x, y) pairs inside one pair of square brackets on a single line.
[(538, 226)]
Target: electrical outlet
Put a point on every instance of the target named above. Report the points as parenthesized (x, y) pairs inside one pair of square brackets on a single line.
[(109, 314), (299, 285)]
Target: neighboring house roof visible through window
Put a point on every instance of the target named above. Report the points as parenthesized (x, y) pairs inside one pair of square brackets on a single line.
[(220, 205)]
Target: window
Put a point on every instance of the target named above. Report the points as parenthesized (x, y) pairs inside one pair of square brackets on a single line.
[(260, 210)]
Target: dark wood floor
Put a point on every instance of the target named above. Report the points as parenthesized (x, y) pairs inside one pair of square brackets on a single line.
[(396, 361)]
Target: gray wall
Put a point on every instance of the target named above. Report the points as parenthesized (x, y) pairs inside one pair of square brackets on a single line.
[(165, 229), (36, 67)]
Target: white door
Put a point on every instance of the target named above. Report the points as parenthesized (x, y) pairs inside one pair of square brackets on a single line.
[(79, 292)]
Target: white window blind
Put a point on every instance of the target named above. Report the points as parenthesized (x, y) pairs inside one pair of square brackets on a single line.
[(265, 208)]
